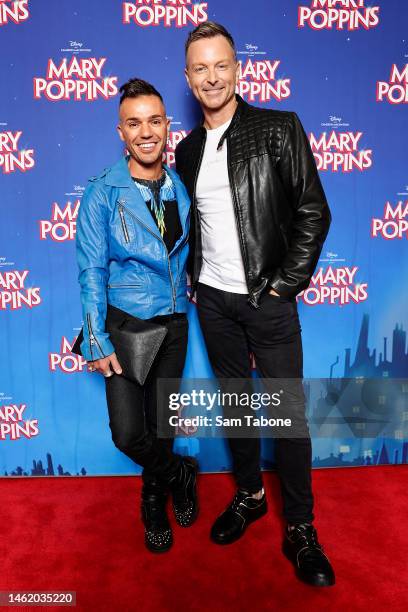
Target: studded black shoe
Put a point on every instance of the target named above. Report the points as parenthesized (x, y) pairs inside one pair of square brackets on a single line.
[(242, 511), (301, 546), (184, 489), (158, 533)]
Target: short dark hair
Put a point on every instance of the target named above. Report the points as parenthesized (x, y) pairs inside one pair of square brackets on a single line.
[(209, 29), (137, 87)]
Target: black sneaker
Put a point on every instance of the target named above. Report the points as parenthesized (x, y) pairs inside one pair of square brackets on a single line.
[(242, 511), (303, 549), (184, 489), (158, 534)]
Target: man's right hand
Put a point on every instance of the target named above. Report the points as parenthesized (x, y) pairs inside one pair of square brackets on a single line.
[(107, 366)]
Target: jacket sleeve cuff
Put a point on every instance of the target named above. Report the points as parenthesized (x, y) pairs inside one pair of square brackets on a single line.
[(102, 347), (282, 288)]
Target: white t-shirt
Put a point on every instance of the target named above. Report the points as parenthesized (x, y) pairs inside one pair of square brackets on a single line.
[(222, 265)]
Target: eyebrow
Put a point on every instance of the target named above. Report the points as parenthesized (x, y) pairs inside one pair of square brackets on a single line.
[(204, 64), (139, 119)]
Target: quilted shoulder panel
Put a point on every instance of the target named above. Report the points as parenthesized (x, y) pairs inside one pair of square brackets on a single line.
[(260, 131)]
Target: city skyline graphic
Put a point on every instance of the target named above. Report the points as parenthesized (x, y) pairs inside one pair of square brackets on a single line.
[(343, 407)]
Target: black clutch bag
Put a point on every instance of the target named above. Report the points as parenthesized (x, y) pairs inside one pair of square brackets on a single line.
[(136, 342)]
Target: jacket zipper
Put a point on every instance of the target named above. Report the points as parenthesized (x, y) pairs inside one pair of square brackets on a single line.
[(118, 286), (173, 292), (194, 280), (91, 336), (123, 220), (234, 199), (92, 339)]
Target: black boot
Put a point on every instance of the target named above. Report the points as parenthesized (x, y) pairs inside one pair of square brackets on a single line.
[(242, 511), (184, 489), (158, 534), (303, 549)]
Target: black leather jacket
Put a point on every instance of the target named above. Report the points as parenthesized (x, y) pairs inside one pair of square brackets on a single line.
[(281, 211)]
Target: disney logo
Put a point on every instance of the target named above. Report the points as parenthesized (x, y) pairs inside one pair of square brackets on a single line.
[(251, 47), (337, 119), (331, 254), (79, 188), (75, 44)]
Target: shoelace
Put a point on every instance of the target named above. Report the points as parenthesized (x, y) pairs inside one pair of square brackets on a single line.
[(309, 536), (238, 497)]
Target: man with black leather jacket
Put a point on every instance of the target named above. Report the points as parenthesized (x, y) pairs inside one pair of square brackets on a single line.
[(259, 220)]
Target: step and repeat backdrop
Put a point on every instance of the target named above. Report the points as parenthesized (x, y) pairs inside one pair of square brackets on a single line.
[(342, 66)]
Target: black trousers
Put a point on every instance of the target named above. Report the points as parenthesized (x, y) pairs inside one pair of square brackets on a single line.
[(133, 408), (232, 329)]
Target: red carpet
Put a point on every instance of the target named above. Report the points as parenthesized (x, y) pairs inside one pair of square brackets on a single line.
[(84, 535)]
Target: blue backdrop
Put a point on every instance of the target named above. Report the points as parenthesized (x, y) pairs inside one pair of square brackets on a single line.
[(342, 66)]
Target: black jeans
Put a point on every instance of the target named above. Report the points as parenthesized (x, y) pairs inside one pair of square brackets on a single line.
[(133, 408), (232, 329)]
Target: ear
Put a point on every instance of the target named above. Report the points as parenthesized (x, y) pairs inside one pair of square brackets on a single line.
[(119, 129), (168, 122), (187, 77), (238, 71)]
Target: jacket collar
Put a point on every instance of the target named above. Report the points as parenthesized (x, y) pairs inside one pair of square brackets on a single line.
[(119, 176), (240, 111)]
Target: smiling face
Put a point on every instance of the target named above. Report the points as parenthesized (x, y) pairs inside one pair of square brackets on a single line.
[(212, 73), (144, 128)]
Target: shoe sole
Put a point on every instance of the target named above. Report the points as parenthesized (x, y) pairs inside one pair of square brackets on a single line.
[(241, 533), (158, 550), (318, 582)]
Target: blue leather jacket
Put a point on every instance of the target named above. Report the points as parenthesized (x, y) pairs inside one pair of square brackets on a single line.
[(122, 258)]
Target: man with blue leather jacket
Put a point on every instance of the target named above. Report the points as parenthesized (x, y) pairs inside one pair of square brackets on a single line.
[(132, 247)]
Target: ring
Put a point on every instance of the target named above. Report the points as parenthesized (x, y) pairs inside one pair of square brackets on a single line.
[(108, 375)]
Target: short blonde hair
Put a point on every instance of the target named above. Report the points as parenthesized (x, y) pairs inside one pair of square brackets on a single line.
[(209, 29)]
